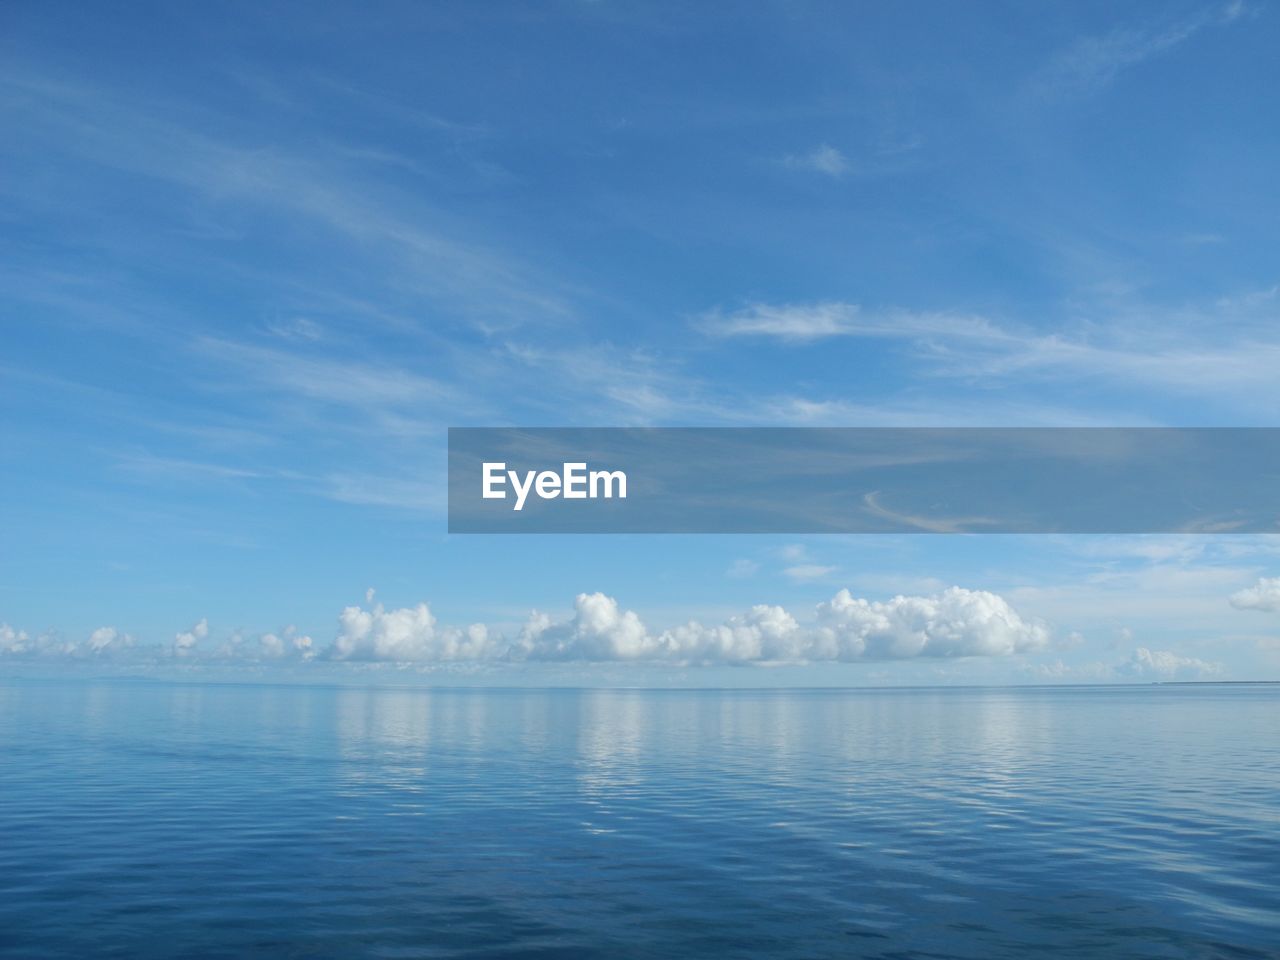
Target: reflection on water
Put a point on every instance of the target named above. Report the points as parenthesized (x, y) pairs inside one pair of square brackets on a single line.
[(145, 820)]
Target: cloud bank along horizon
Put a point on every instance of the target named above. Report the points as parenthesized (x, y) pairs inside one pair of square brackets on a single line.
[(954, 623)]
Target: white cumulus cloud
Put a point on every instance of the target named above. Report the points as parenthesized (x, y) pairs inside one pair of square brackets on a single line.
[(108, 640), (101, 642), (184, 643), (598, 630), (765, 633), (287, 643), (13, 640), (955, 622), (1263, 595), (405, 635)]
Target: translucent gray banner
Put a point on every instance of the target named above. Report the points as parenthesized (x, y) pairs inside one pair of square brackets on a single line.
[(864, 480)]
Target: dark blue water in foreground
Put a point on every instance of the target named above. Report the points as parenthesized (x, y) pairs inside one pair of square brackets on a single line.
[(143, 820)]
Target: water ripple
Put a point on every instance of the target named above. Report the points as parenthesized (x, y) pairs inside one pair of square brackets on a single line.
[(155, 821)]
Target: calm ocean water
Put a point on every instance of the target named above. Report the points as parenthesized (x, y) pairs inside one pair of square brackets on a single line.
[(148, 820)]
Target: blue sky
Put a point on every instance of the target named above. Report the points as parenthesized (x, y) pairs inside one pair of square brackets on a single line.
[(258, 257)]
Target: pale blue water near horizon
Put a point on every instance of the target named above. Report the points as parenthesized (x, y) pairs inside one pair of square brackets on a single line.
[(162, 820)]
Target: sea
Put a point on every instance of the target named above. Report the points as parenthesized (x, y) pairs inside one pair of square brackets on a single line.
[(144, 819)]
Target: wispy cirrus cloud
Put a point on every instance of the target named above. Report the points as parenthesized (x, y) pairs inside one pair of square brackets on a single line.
[(1092, 62), (873, 502), (404, 241), (824, 159), (1167, 665), (1143, 664), (1174, 349), (415, 493), (338, 380), (821, 320), (1157, 588), (610, 382), (802, 572)]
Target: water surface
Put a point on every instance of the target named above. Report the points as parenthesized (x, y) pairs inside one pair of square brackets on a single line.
[(149, 820)]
